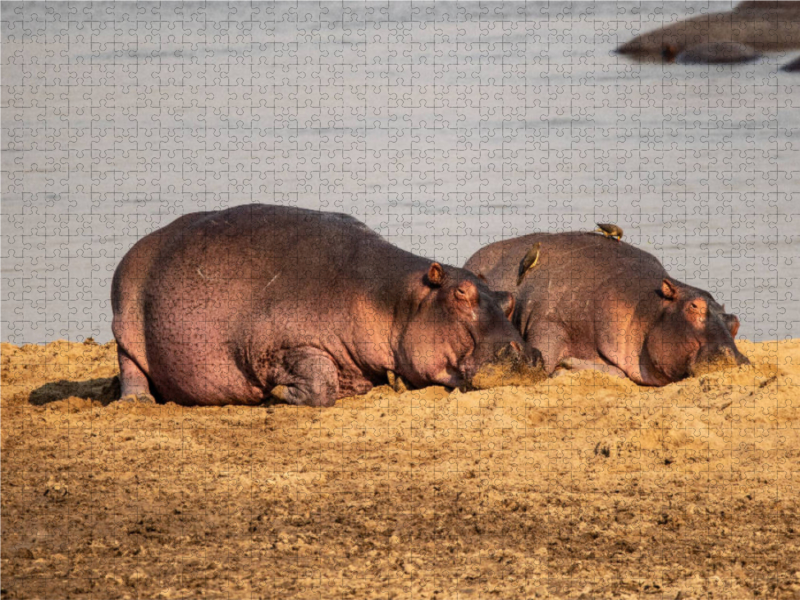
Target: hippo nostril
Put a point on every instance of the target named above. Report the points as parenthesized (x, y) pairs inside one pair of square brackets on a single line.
[(509, 352)]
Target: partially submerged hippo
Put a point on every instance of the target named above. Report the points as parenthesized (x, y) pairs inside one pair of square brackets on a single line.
[(717, 53), (235, 306), (740, 35), (792, 67), (595, 302)]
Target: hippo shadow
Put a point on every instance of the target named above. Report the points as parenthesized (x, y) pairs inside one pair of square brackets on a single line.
[(103, 389)]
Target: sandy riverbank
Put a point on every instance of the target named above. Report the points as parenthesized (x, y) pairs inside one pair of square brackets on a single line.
[(583, 486)]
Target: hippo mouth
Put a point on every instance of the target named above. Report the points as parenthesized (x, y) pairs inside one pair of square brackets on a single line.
[(511, 366), (726, 358)]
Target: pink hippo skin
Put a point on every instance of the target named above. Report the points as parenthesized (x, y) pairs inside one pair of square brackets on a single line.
[(240, 305), (594, 302)]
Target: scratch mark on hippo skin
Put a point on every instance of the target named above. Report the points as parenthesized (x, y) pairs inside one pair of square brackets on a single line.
[(271, 280)]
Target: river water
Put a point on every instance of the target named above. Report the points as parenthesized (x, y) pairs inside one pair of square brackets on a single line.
[(443, 126)]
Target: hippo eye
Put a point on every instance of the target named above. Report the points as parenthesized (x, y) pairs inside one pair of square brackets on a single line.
[(469, 296), (699, 306)]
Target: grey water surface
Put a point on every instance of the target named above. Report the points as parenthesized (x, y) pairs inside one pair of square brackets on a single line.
[(444, 126)]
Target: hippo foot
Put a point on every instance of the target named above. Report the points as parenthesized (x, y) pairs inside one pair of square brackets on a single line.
[(281, 393), (397, 383), (300, 396), (141, 398), (579, 364)]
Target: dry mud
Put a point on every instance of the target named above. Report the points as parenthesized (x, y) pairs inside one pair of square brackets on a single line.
[(582, 486)]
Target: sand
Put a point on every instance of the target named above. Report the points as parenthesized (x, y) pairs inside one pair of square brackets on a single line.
[(583, 486)]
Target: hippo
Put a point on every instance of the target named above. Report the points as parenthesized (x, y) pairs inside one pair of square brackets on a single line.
[(717, 53), (792, 67), (597, 302), (740, 35), (264, 303)]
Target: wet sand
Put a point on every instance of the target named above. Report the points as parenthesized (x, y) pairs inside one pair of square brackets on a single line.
[(583, 486)]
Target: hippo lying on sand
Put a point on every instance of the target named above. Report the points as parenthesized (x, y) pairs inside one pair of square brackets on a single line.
[(740, 35), (235, 306), (595, 302)]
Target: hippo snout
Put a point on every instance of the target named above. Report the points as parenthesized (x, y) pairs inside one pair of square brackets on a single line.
[(513, 364), (723, 358), (512, 351)]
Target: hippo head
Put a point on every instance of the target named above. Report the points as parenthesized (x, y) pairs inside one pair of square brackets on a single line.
[(457, 326), (693, 335), (664, 44)]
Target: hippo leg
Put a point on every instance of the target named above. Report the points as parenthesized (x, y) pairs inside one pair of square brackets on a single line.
[(551, 341), (580, 364), (133, 382), (312, 379)]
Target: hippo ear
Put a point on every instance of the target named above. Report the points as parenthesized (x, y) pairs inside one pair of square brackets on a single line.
[(436, 275), (732, 322), (669, 290), (506, 302)]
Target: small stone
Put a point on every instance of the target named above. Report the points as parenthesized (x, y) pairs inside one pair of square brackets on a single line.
[(136, 577)]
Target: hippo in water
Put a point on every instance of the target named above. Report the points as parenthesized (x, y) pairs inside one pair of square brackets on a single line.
[(717, 53), (240, 305), (792, 67), (740, 35), (596, 302)]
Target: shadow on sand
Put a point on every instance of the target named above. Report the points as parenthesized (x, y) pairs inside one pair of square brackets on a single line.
[(104, 389)]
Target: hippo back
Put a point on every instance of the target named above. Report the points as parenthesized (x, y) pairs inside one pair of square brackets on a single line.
[(572, 268)]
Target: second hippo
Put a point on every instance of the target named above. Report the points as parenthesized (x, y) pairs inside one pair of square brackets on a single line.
[(594, 302), (240, 305)]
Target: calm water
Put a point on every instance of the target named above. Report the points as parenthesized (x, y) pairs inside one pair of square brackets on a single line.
[(444, 127)]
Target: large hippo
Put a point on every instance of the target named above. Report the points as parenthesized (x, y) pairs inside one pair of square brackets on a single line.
[(740, 35), (240, 305), (591, 301)]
